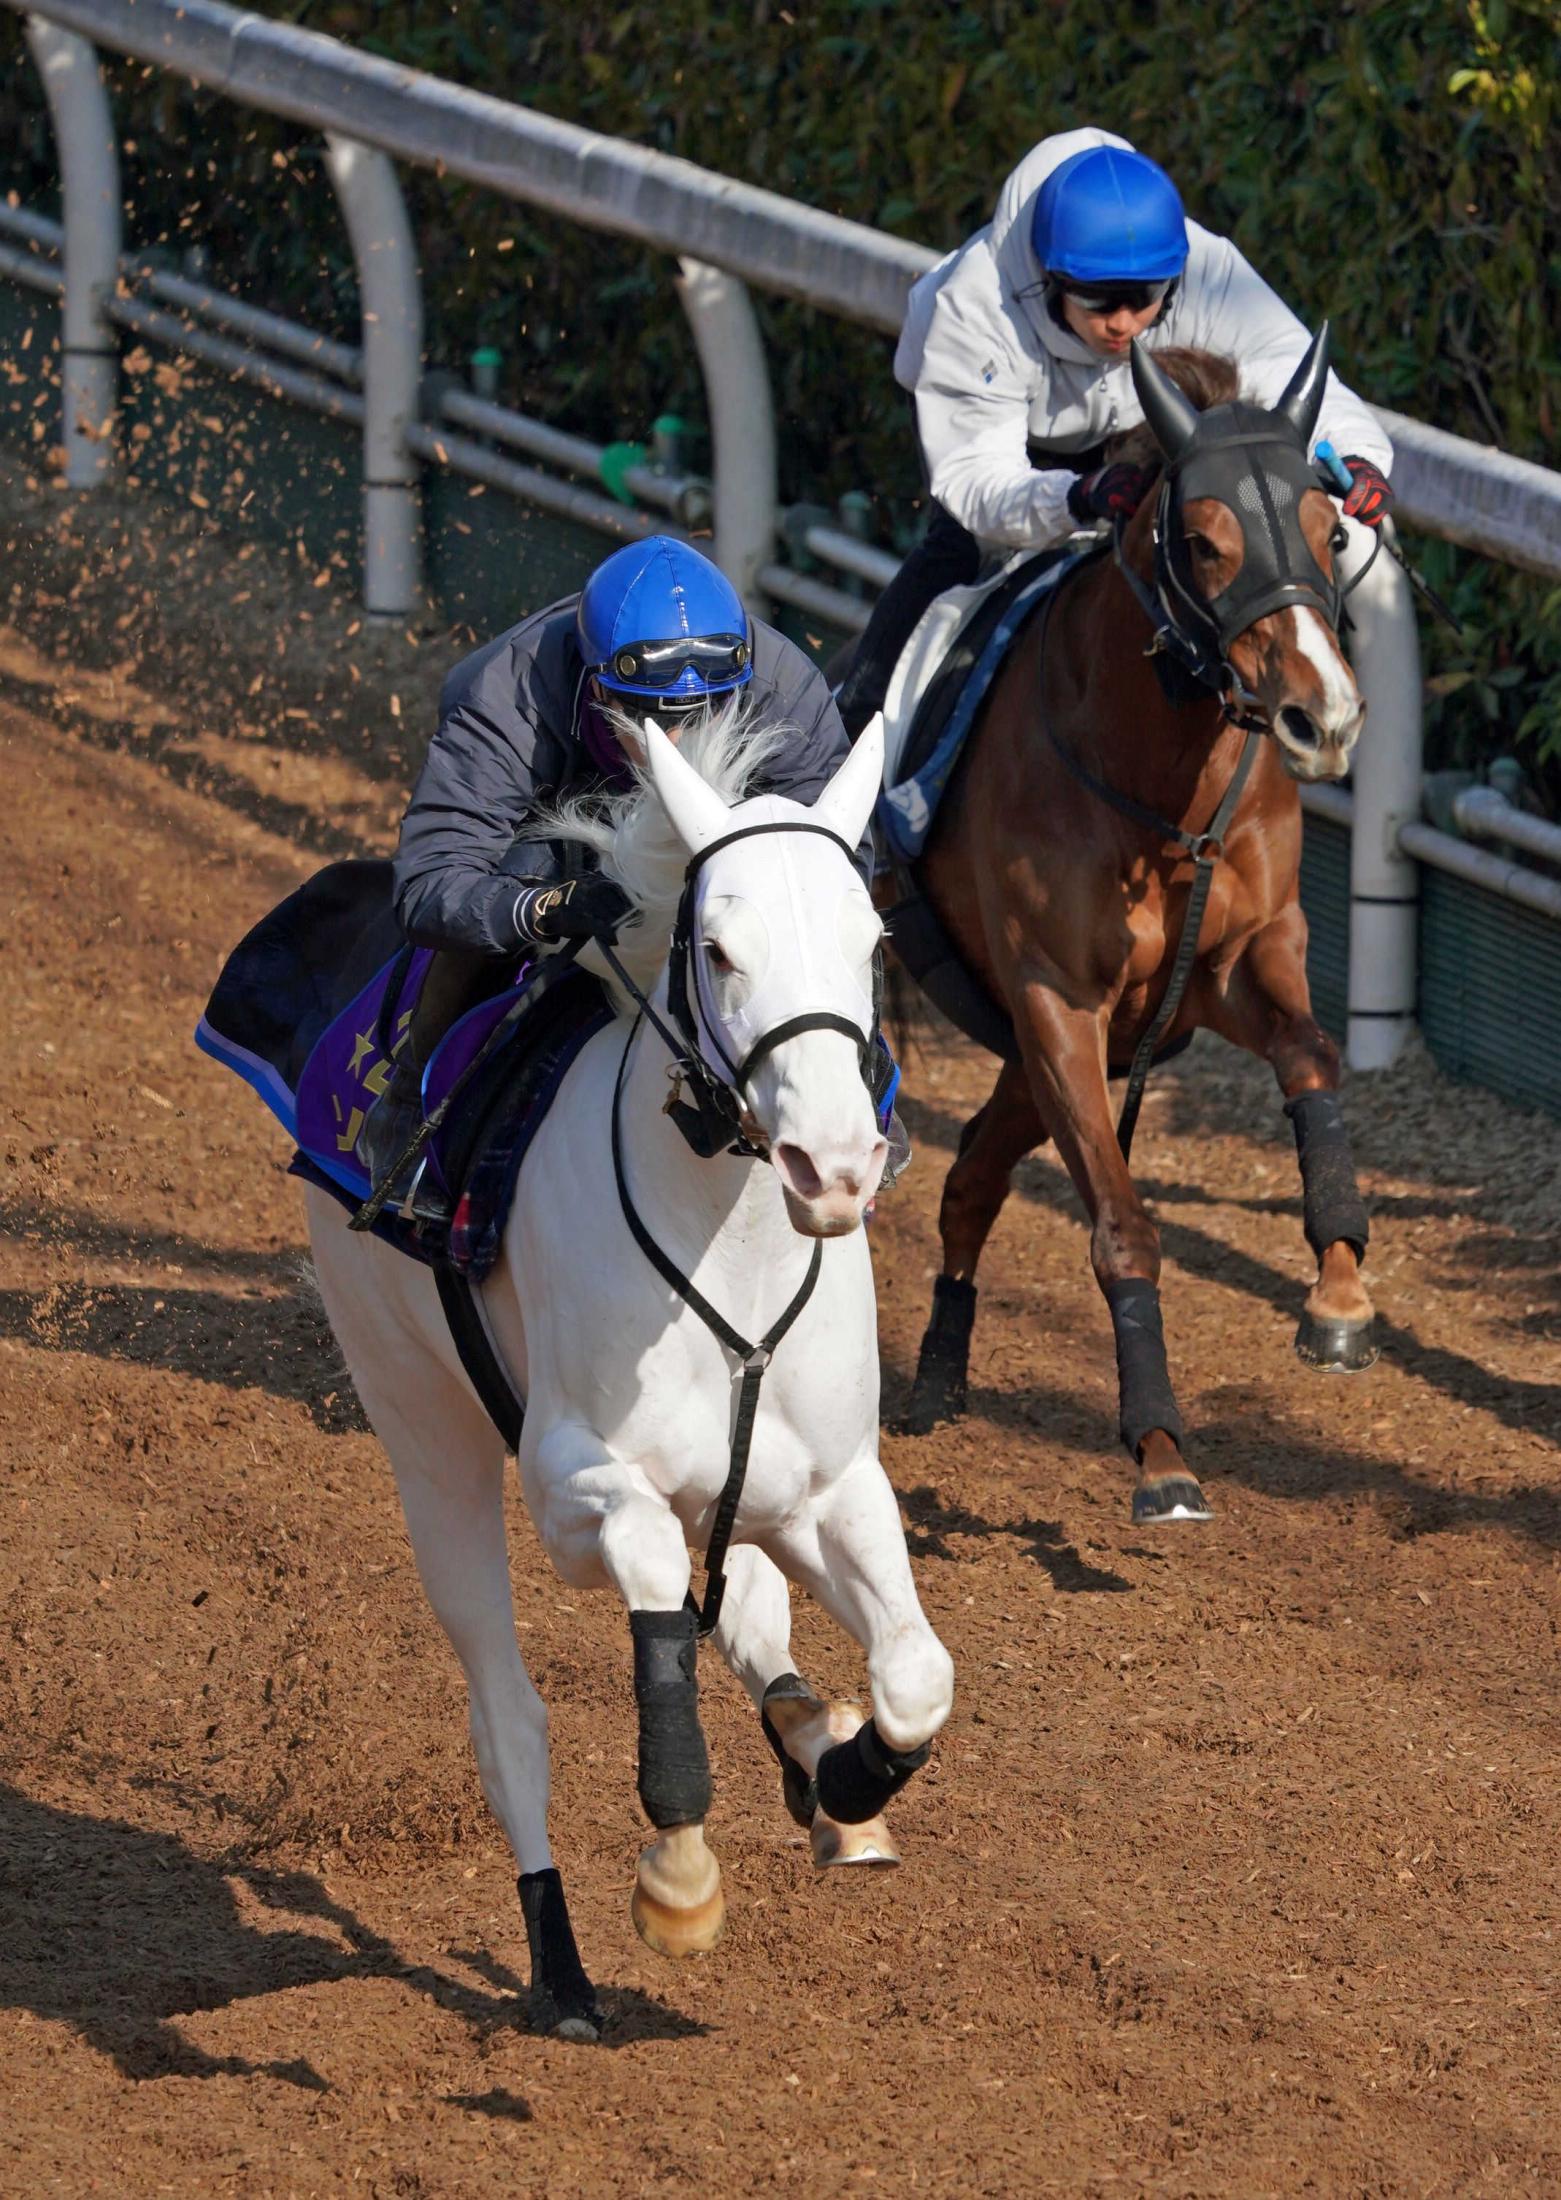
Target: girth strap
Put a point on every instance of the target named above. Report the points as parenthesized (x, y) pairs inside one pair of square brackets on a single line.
[(755, 1358)]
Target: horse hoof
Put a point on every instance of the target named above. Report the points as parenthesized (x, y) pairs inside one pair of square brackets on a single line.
[(583, 2025), (1169, 1497), (678, 1932), (870, 1843), (1338, 1347)]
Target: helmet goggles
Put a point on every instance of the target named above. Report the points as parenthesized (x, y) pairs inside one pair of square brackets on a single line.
[(1111, 297), (714, 659)]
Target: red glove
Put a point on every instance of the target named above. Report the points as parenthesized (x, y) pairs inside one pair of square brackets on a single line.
[(1371, 499), (1115, 492)]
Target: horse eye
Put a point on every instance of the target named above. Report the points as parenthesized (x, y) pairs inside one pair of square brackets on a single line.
[(1200, 546), (1338, 540), (720, 961)]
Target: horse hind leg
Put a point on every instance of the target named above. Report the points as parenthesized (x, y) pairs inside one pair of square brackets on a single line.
[(449, 1468), (991, 1146), (754, 1637)]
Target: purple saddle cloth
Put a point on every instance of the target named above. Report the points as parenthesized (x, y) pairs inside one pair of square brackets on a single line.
[(309, 1010)]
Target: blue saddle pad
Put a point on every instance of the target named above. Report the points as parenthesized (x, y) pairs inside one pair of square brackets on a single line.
[(949, 708), (309, 1010)]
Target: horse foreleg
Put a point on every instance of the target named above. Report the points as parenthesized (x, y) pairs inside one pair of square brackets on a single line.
[(993, 1142), (849, 1552), (1065, 1058), (599, 1516), (753, 1635), (1267, 1008)]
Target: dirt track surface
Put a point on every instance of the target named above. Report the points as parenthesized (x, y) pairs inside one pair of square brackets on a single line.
[(1234, 1871)]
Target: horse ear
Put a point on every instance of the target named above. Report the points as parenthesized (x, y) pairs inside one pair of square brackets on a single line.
[(1171, 414), (846, 803), (1303, 397), (698, 813)]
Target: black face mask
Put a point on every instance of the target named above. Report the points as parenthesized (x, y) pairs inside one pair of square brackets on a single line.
[(1256, 464)]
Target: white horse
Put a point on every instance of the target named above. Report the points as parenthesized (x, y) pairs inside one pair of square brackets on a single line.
[(632, 1400)]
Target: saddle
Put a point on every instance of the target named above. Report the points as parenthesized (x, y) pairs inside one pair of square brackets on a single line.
[(944, 675), (309, 1010)]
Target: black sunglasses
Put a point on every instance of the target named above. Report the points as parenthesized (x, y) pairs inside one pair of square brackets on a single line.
[(660, 664)]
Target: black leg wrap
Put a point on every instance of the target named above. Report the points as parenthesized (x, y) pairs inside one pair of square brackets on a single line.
[(1144, 1380), (562, 1997), (800, 1792), (857, 1778), (942, 1367), (674, 1764), (1333, 1208), (944, 1360)]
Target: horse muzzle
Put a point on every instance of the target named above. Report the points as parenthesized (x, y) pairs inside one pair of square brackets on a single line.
[(1313, 750), (827, 1193)]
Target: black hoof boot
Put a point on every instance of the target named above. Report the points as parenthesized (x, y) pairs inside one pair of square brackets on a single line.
[(801, 1793), (563, 2000), (1169, 1497), (942, 1370), (1338, 1347)]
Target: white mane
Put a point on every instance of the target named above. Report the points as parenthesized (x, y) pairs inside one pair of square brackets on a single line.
[(633, 835)]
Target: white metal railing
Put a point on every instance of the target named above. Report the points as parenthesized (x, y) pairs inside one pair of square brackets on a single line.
[(725, 235)]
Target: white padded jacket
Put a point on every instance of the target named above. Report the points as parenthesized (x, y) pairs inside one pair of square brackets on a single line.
[(991, 368)]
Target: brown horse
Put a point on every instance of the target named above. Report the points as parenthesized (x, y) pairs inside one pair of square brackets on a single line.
[(1061, 863)]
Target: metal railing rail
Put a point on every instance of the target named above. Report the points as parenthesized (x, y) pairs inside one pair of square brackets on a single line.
[(1482, 498), (724, 234)]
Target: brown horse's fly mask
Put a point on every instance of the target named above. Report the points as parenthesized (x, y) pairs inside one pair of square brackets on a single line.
[(1257, 464)]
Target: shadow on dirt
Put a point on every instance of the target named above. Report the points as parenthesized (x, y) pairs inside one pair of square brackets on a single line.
[(82, 1232), (117, 1931), (932, 1522), (278, 1343)]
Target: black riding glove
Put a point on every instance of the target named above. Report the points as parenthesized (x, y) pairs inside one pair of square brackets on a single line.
[(1113, 492), (588, 907)]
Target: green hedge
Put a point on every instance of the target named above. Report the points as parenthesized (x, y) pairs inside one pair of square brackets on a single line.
[(1395, 165)]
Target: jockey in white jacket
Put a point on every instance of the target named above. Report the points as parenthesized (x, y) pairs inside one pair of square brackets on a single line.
[(1015, 350)]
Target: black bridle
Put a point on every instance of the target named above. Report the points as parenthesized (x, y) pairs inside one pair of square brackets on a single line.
[(1255, 463), (713, 1123)]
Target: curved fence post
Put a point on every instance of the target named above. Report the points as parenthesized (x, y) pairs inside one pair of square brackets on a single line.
[(391, 305), (742, 422), (1386, 776), (89, 184)]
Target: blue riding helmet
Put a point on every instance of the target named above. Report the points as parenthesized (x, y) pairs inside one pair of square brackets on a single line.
[(1109, 216), (660, 622)]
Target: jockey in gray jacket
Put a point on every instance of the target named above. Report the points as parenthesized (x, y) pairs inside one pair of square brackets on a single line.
[(522, 721), (1015, 351)]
